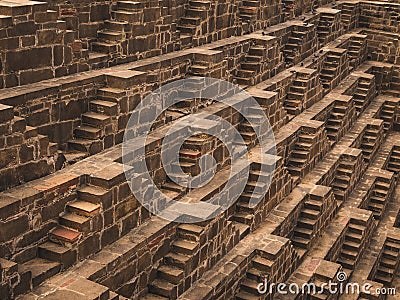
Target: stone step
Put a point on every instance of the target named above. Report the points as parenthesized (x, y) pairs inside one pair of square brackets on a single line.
[(171, 186), (243, 217), (383, 279), (74, 156), (358, 229), (306, 223), (244, 229), (313, 205), (181, 261), (200, 4), (246, 296), (388, 263), (5, 21), (184, 247), (346, 262), (310, 214), (190, 232), (170, 273), (353, 237), (245, 208), (349, 254), (262, 264), (74, 221), (255, 274), (384, 271), (245, 73), (110, 35), (389, 254), (95, 194), (249, 286), (102, 47), (41, 269), (350, 245), (300, 242), (130, 5), (64, 235), (194, 12), (83, 208), (103, 107), (88, 132), (303, 232), (258, 51), (95, 119), (164, 288), (256, 187), (114, 25), (187, 29), (253, 58), (127, 15), (251, 66), (190, 21)]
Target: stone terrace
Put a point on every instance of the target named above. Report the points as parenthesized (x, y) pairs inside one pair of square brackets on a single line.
[(327, 76)]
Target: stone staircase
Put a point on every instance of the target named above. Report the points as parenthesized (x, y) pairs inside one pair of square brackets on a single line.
[(189, 258), (393, 163), (388, 262), (364, 93), (95, 132), (301, 43), (275, 265), (79, 220), (245, 214), (387, 114), (349, 15), (329, 26), (191, 25), (119, 28), (192, 149), (346, 175), (310, 147), (380, 195), (356, 237), (248, 70), (249, 10), (340, 119), (334, 68), (371, 140), (325, 272), (318, 209), (289, 9), (357, 49), (259, 269), (305, 90)]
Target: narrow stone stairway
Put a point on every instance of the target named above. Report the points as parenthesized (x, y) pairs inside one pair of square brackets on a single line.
[(89, 137), (190, 25), (388, 263), (356, 236), (251, 66), (118, 28), (393, 164)]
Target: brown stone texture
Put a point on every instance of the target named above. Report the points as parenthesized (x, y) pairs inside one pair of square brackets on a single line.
[(72, 74)]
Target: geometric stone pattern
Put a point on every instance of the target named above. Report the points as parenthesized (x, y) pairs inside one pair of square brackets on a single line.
[(327, 76)]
